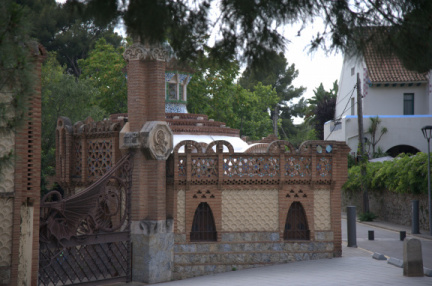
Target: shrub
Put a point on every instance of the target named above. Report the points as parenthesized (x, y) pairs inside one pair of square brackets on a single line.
[(405, 174), (368, 216)]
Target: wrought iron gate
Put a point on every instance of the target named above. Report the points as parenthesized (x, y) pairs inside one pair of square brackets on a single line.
[(85, 238)]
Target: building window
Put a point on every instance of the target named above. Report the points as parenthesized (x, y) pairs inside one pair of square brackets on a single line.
[(172, 91), (352, 71), (176, 86), (203, 226), (296, 226), (352, 106), (408, 105)]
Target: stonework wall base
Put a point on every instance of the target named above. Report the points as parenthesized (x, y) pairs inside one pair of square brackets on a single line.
[(152, 251)]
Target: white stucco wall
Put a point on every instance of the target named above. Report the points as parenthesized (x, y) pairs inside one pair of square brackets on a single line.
[(347, 81), (402, 130), (389, 100)]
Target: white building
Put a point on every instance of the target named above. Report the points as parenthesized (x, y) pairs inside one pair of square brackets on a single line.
[(401, 98)]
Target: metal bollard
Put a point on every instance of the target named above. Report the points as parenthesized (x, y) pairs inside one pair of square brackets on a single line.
[(371, 235), (415, 229), (351, 226), (402, 235)]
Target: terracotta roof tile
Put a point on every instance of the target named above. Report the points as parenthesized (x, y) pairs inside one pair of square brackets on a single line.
[(389, 69)]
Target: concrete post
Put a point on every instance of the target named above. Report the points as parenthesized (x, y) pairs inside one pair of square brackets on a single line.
[(412, 257), (351, 226)]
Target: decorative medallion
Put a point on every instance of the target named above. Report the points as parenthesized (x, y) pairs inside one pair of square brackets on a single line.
[(156, 140)]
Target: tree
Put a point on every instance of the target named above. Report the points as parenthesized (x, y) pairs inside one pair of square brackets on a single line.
[(249, 30), (252, 117), (104, 69), (16, 71), (372, 130), (279, 75), (62, 95), (321, 108), (68, 30), (212, 91)]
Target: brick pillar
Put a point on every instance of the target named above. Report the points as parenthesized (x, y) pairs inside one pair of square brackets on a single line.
[(339, 177), (147, 132), (25, 230)]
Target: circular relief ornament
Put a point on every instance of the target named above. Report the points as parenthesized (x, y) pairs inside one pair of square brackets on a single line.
[(156, 140)]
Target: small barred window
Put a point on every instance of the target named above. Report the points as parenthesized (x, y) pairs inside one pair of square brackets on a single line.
[(296, 226), (203, 226)]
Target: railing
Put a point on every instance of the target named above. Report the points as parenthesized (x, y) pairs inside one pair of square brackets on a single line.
[(217, 163)]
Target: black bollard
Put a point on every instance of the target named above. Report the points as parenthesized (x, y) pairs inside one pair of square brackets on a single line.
[(402, 235), (415, 217), (351, 226), (371, 235)]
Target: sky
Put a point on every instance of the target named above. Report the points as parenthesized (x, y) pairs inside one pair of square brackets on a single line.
[(314, 68)]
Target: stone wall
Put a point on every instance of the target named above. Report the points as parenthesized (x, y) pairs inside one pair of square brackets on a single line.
[(7, 141), (241, 250), (390, 206)]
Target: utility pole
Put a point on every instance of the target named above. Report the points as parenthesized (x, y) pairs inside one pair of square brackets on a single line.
[(361, 147)]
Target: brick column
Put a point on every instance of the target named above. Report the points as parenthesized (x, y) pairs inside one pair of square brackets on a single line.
[(339, 177), (146, 131), (25, 230)]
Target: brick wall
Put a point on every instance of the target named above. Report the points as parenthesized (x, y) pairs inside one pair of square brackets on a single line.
[(250, 196)]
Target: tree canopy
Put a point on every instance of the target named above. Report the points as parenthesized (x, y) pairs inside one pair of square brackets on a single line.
[(67, 29), (214, 92), (321, 108), (252, 30), (279, 75)]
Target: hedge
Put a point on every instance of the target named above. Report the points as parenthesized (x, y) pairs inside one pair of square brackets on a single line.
[(405, 174)]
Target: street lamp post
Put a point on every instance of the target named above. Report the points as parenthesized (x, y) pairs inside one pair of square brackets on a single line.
[(427, 133)]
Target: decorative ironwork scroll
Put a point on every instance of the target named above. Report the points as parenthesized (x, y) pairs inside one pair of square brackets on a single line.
[(84, 238)]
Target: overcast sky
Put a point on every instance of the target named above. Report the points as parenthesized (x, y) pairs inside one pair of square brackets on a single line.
[(314, 68)]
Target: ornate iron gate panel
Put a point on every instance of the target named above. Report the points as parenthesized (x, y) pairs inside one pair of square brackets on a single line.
[(85, 238)]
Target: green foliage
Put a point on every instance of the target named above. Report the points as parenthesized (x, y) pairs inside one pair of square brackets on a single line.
[(368, 216), (279, 75), (405, 174), (374, 137), (212, 91), (321, 108), (62, 95), (104, 69), (68, 29), (16, 70)]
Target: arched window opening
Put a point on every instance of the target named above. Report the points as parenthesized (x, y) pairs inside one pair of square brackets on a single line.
[(203, 226), (296, 226)]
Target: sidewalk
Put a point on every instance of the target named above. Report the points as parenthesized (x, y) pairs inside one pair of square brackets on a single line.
[(355, 267)]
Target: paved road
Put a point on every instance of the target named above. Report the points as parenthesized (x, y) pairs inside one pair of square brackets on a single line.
[(387, 241)]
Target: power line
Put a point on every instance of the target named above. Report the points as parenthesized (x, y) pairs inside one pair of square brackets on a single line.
[(340, 116)]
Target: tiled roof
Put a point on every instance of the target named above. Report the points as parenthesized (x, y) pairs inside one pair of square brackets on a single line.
[(389, 69)]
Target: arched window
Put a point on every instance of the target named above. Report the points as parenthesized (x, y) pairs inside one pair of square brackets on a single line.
[(296, 226), (203, 226)]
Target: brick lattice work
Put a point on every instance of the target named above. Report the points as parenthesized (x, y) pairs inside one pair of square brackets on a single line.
[(250, 210), (181, 211), (322, 210)]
